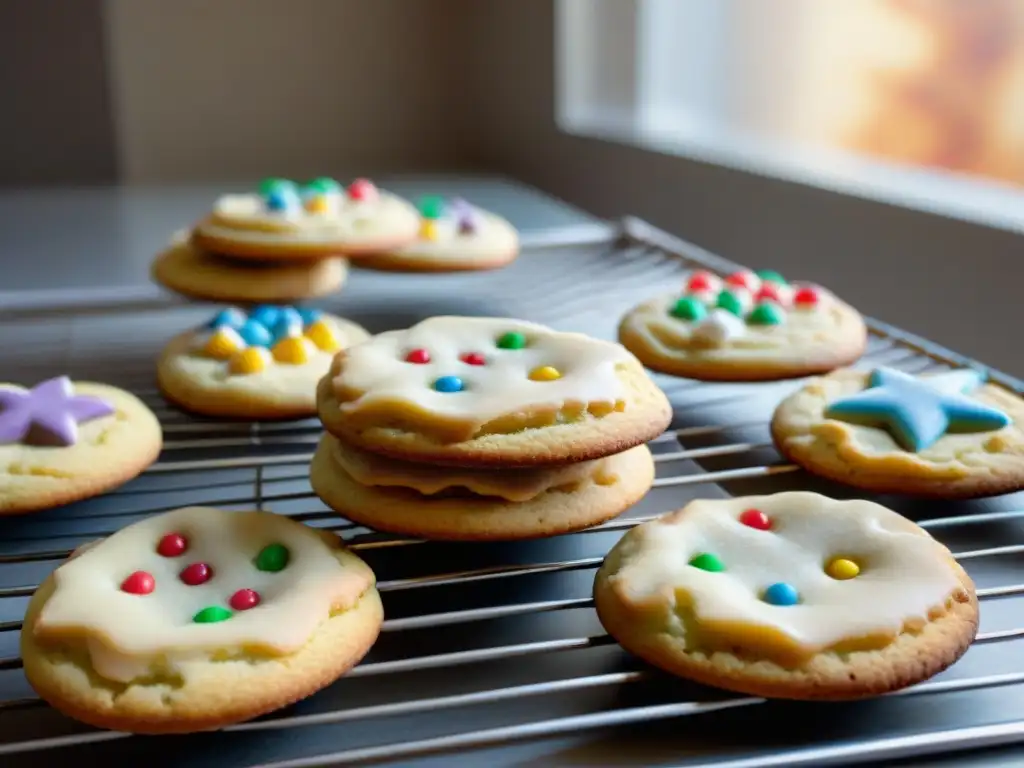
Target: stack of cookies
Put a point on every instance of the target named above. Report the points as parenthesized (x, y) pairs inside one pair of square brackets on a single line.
[(485, 429), (285, 242)]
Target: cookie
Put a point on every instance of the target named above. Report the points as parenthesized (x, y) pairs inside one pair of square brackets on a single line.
[(285, 220), (454, 236), (430, 502), (748, 327), (63, 441), (198, 618), (264, 364), (189, 270), (792, 596), (481, 391), (947, 435)]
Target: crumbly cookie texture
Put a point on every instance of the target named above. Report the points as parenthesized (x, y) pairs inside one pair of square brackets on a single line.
[(747, 327), (114, 437), (318, 219), (793, 595), (454, 236), (490, 392), (262, 364), (198, 618), (191, 271), (477, 504), (965, 464)]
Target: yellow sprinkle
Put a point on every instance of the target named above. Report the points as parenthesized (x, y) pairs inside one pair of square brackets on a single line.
[(324, 336), (249, 360), (317, 204), (545, 373), (842, 569), (428, 229), (294, 350), (223, 344)]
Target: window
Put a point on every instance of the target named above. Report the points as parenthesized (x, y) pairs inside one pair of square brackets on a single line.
[(916, 102)]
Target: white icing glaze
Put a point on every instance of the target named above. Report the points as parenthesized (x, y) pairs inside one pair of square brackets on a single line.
[(903, 575), (719, 327), (377, 370), (127, 635)]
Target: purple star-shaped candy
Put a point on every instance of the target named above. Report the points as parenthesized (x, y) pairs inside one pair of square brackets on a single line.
[(47, 414), (465, 216)]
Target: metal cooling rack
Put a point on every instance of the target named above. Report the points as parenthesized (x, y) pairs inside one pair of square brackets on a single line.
[(491, 653)]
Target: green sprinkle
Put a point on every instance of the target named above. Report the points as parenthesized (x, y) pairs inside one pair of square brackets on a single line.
[(729, 302), (708, 562), (212, 614), (432, 207), (323, 186), (689, 308), (273, 558), (766, 313), (270, 185), (770, 276), (512, 340)]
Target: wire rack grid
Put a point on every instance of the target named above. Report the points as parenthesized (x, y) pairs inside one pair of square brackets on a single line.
[(491, 653)]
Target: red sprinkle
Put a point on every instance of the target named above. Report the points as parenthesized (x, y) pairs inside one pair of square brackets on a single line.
[(418, 356), (362, 189), (739, 280), (805, 296), (473, 358), (172, 545), (196, 574), (768, 292), (755, 518), (699, 281), (244, 599), (139, 583)]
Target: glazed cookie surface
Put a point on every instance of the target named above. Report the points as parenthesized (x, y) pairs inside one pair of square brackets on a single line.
[(793, 595), (476, 391), (945, 435), (189, 270), (63, 441), (452, 504), (264, 364), (198, 618), (315, 220), (747, 327), (454, 236)]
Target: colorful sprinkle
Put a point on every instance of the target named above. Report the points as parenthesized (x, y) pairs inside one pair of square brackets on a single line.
[(707, 562), (449, 384), (282, 199), (743, 279), (317, 204), (251, 360), (223, 344), (842, 569), (728, 301), (473, 358), (211, 615), (432, 207), (689, 308), (273, 558), (362, 190), (322, 186), (171, 545), (429, 230), (324, 336), (196, 574), (805, 297), (545, 373), (755, 518), (771, 276), (269, 185), (244, 599), (781, 594), (139, 583), (265, 314), (255, 333), (228, 318), (768, 292), (512, 340), (766, 313), (418, 356), (700, 281), (288, 323), (309, 315), (294, 350)]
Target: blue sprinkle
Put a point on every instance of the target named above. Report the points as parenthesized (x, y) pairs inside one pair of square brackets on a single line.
[(265, 315), (255, 334), (781, 594), (309, 315), (286, 326), (449, 384), (282, 199), (228, 318)]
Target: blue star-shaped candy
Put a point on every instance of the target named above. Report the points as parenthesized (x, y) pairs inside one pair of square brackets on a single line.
[(917, 412)]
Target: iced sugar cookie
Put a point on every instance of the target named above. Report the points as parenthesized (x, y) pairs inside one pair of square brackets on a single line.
[(793, 596), (318, 219), (262, 364), (454, 236), (945, 435), (449, 503), (198, 618), (189, 270), (62, 441), (478, 391), (747, 327)]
